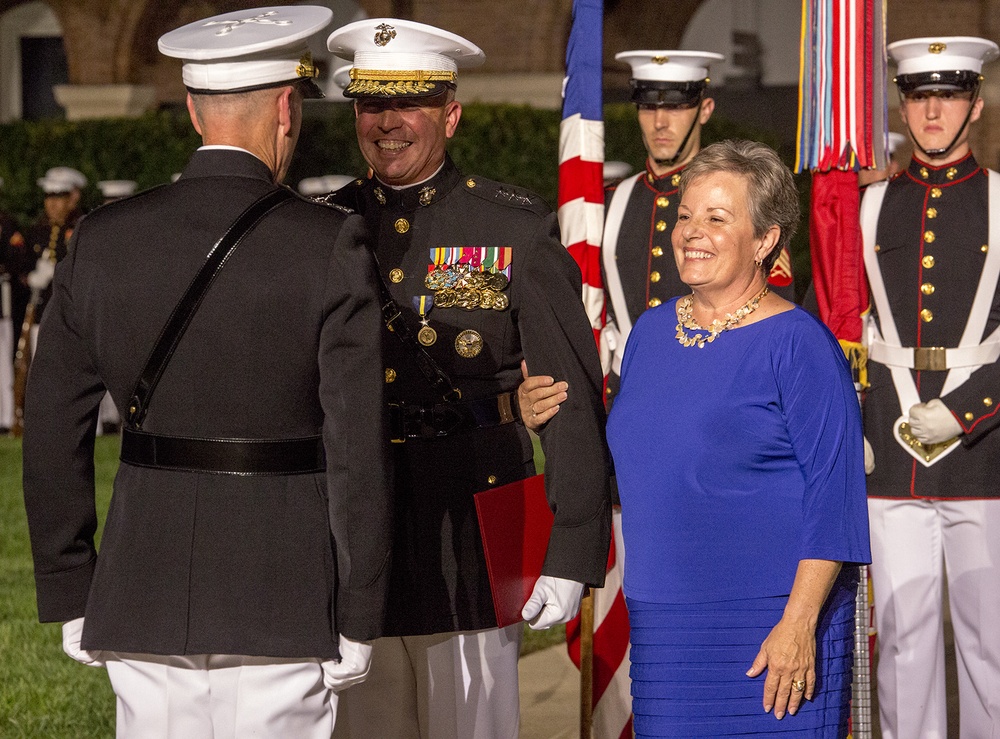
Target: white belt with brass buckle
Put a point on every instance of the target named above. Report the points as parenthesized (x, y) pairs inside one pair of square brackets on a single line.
[(934, 358)]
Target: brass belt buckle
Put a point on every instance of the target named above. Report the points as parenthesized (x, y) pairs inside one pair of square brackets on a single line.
[(929, 358)]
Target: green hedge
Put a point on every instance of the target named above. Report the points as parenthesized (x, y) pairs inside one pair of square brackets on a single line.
[(504, 142)]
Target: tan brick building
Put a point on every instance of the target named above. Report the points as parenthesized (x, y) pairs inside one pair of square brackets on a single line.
[(111, 65)]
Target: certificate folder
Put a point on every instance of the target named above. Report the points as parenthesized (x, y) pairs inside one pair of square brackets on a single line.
[(515, 522)]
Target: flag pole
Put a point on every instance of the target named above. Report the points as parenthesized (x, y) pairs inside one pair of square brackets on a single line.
[(587, 665)]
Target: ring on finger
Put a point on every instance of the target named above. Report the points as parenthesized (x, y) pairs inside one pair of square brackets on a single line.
[(798, 685)]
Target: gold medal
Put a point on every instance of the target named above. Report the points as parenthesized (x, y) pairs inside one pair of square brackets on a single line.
[(427, 336), (501, 301), (468, 343), (487, 298), (446, 298), (496, 280)]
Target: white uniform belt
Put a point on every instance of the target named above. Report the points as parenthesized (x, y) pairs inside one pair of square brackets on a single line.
[(936, 358)]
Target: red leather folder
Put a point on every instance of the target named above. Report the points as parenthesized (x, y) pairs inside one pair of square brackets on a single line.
[(515, 522)]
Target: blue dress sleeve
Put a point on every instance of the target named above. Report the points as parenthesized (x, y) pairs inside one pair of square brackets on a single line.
[(823, 418)]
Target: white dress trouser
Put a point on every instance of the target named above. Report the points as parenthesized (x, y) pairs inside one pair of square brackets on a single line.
[(444, 686), (912, 541), (219, 697)]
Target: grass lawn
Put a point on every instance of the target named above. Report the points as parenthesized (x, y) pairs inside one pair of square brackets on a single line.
[(43, 693)]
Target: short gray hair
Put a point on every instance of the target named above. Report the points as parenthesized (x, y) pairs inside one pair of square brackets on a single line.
[(772, 197)]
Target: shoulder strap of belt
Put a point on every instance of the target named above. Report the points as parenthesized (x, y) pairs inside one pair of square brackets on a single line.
[(609, 249), (184, 311), (430, 369)]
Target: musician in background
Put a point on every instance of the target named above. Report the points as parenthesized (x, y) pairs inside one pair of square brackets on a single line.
[(45, 242)]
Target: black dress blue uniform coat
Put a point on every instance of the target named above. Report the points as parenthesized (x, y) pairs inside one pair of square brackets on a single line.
[(933, 237), (439, 581), (286, 344)]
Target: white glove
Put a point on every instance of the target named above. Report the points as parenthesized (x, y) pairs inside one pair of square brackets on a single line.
[(932, 422), (553, 601), (40, 277), (72, 632), (352, 667), (869, 458)]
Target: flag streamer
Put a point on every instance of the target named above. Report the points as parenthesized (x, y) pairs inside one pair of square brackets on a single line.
[(842, 69)]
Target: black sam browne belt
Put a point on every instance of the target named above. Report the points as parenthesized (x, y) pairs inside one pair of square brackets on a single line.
[(246, 457), (431, 420)]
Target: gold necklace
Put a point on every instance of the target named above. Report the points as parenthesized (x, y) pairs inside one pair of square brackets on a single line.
[(686, 321)]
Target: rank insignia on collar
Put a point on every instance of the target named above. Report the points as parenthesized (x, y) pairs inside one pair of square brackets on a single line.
[(427, 195)]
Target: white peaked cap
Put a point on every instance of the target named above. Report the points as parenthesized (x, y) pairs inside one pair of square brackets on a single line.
[(62, 179), (393, 57), (941, 54), (248, 49), (669, 66), (117, 188)]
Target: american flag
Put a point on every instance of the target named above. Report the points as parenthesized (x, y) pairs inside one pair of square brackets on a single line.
[(581, 221), (581, 154)]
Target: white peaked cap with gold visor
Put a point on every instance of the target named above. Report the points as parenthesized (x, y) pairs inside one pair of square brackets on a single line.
[(249, 49), (399, 58)]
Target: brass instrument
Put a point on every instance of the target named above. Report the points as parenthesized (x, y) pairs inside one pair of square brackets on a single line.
[(22, 357)]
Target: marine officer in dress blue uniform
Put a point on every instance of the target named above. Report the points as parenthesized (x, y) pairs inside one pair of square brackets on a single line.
[(478, 281), (932, 255), (245, 557)]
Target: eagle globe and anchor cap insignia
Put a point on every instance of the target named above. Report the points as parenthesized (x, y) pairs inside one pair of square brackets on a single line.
[(385, 34)]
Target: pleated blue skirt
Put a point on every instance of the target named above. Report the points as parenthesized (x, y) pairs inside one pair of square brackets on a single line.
[(689, 666)]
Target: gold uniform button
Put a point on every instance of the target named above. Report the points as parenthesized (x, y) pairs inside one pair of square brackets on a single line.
[(390, 375), (662, 202), (935, 192), (654, 276), (402, 226), (926, 315), (984, 248), (951, 173), (492, 479), (924, 173), (927, 262), (661, 225), (607, 391), (396, 275), (470, 182), (969, 416), (878, 248), (654, 302), (657, 251), (987, 402), (927, 288), (932, 212), (929, 237)]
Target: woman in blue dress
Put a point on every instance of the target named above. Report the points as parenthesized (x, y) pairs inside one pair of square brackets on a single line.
[(739, 454)]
